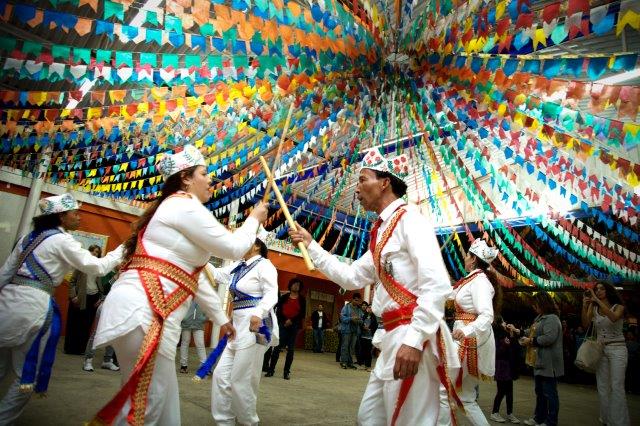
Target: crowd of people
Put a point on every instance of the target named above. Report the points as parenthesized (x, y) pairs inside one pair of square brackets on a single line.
[(164, 291)]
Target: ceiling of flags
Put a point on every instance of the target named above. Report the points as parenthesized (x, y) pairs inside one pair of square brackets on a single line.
[(520, 116)]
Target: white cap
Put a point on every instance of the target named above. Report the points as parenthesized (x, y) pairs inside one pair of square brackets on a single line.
[(480, 248), (171, 164), (263, 235), (57, 204), (398, 166)]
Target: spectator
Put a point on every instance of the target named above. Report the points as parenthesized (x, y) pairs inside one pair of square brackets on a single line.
[(290, 310), (604, 308), (507, 363), (319, 322), (546, 339), (369, 327), (84, 297), (109, 358), (192, 324), (350, 322)]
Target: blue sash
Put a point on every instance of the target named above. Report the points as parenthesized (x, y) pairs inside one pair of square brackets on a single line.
[(242, 300), (39, 279)]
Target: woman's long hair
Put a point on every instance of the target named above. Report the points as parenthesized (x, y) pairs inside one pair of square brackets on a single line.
[(492, 276), (172, 184), (612, 294), (45, 222)]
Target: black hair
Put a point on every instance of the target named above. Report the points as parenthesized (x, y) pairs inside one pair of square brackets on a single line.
[(612, 294), (292, 281), (264, 251), (545, 303), (398, 187), (47, 221), (356, 295), (95, 246)]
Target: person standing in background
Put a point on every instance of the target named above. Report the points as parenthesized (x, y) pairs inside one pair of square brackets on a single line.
[(319, 322), (291, 311), (192, 324), (369, 327), (602, 306), (84, 297)]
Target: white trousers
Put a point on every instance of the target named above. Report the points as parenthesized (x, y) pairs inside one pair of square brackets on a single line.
[(14, 401), (234, 388), (163, 399), (419, 409), (610, 375), (468, 395), (198, 339)]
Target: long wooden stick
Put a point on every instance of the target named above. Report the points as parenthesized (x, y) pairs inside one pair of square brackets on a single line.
[(276, 162), (287, 215)]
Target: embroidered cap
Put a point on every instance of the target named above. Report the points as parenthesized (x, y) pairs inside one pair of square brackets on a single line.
[(398, 166), (480, 248), (57, 204), (171, 164)]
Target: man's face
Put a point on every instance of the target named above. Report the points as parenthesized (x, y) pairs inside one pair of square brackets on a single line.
[(70, 220), (319, 307), (369, 189), (356, 301)]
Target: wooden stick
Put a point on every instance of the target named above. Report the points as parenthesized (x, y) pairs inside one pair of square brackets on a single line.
[(276, 162), (287, 215)]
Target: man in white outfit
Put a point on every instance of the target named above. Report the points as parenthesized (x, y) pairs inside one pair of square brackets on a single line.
[(29, 317), (411, 286)]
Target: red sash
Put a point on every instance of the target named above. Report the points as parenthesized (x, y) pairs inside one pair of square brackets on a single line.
[(469, 346), (402, 315), (150, 269)]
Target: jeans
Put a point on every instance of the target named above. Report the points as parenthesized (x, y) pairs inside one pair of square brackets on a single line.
[(610, 379), (348, 348), (547, 402), (288, 340), (318, 339), (90, 352)]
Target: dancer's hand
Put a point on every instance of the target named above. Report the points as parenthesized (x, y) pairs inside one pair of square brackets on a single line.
[(228, 330), (458, 334), (300, 235), (260, 212), (255, 323), (407, 360)]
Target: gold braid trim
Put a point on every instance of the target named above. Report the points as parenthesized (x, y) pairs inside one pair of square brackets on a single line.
[(396, 291)]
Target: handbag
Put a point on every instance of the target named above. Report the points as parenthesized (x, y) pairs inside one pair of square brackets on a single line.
[(589, 353)]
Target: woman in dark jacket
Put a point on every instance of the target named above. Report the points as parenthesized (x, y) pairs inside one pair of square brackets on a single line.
[(290, 311), (507, 360)]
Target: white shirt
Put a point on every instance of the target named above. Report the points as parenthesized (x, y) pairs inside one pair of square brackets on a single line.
[(414, 255), (320, 320), (260, 281), (183, 232), (23, 309), (476, 297), (92, 286)]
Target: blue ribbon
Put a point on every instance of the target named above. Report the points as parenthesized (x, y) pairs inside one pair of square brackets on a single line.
[(48, 356), (207, 365)]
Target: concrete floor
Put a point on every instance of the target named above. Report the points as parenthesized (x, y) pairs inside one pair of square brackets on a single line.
[(319, 393)]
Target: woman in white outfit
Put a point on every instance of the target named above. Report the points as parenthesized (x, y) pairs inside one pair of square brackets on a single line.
[(254, 288), (172, 242), (473, 301), (29, 316), (604, 307)]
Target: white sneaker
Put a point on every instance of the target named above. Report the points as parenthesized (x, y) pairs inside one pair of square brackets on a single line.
[(496, 417), (88, 364), (109, 365), (530, 422), (512, 418)]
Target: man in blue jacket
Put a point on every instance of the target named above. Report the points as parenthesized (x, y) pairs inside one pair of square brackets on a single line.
[(350, 321)]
